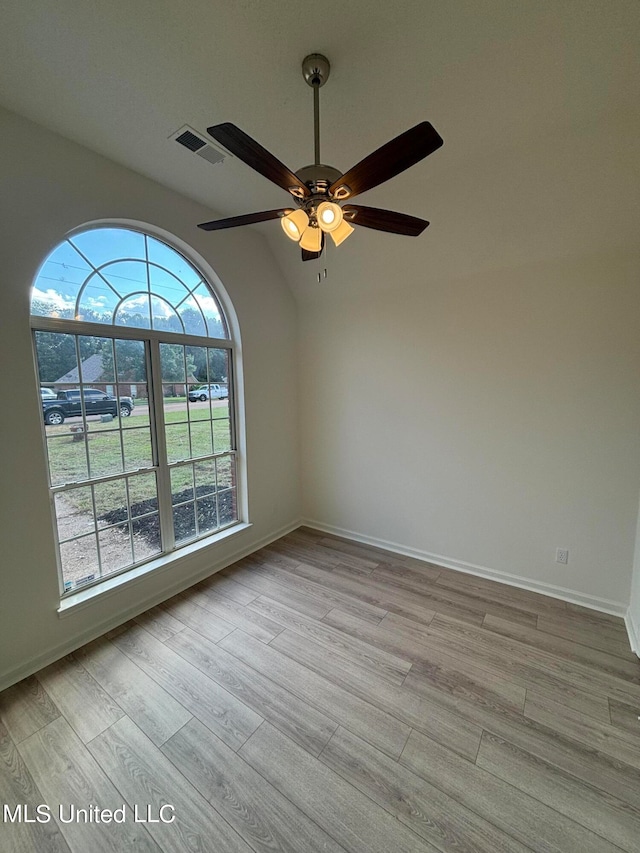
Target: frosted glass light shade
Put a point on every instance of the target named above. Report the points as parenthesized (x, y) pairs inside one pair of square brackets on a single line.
[(311, 240), (293, 224), (341, 233), (329, 216)]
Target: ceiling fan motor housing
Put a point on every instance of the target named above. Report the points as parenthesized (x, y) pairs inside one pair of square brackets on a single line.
[(318, 177)]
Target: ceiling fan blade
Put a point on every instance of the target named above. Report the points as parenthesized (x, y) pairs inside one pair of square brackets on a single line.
[(253, 154), (311, 256), (245, 219), (384, 220), (402, 152)]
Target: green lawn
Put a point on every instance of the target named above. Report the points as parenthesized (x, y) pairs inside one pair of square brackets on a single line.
[(68, 458)]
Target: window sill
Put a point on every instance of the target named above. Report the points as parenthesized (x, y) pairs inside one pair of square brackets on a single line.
[(110, 586)]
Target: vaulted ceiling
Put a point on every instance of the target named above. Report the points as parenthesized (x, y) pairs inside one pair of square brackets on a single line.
[(536, 101)]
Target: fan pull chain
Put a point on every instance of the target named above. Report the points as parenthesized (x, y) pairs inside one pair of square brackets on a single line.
[(322, 273)]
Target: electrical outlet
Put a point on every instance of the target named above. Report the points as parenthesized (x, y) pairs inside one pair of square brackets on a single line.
[(562, 556)]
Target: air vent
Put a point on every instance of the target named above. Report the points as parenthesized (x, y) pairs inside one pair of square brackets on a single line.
[(211, 154), (194, 141), (190, 141)]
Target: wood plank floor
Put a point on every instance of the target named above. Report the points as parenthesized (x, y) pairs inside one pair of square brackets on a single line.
[(323, 695)]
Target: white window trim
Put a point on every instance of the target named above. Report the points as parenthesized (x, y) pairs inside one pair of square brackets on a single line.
[(72, 602), (110, 584)]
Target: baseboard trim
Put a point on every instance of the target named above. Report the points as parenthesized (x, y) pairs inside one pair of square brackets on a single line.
[(633, 631), (39, 661), (603, 605)]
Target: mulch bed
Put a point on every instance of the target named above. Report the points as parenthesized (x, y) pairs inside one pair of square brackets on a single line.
[(183, 522)]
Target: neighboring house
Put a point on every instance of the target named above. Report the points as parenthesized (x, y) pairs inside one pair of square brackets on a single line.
[(93, 374)]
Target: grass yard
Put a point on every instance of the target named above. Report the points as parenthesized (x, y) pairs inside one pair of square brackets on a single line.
[(207, 431)]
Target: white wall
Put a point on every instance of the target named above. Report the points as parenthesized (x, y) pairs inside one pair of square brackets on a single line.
[(48, 186), (483, 421)]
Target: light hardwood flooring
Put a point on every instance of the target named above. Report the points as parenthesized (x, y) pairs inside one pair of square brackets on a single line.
[(326, 696)]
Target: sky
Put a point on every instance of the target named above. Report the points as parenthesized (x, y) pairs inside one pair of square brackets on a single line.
[(124, 274)]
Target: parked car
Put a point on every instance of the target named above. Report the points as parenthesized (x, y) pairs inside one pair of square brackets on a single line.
[(48, 394), (209, 392), (68, 404)]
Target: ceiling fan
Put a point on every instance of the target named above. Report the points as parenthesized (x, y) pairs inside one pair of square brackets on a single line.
[(318, 190)]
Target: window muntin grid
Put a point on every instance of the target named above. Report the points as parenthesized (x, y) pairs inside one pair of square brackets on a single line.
[(150, 287), (202, 428), (108, 504), (203, 432), (109, 535), (203, 496)]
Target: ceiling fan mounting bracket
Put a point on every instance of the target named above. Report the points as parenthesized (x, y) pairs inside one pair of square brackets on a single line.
[(315, 69)]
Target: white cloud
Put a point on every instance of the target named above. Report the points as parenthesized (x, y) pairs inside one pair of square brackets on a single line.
[(208, 305), (53, 297), (161, 309), (135, 302), (95, 302)]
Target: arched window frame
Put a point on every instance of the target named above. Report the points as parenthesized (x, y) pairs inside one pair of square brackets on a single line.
[(153, 339)]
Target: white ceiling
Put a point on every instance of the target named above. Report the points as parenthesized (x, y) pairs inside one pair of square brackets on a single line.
[(537, 101)]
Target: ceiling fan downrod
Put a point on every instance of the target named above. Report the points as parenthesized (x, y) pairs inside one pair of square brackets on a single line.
[(315, 70), (317, 177)]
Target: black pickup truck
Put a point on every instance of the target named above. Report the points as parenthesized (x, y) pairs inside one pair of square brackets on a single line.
[(68, 404)]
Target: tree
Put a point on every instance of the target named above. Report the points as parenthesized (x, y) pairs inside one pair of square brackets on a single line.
[(172, 360), (44, 309), (193, 322), (218, 365), (57, 355), (217, 358), (130, 357)]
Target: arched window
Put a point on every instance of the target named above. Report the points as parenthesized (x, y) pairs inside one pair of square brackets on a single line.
[(135, 362)]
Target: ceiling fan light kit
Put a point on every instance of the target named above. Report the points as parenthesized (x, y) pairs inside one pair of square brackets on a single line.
[(329, 216), (294, 224), (311, 240), (340, 234), (317, 189)]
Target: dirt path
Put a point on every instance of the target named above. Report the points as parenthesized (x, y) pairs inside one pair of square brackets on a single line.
[(79, 556)]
